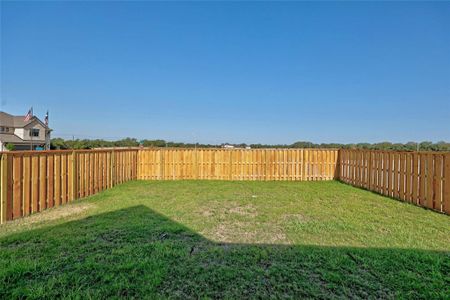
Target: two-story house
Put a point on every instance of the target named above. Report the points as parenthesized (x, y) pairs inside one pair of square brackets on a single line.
[(21, 134)]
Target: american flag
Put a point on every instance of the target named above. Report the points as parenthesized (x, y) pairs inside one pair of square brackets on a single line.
[(29, 115)]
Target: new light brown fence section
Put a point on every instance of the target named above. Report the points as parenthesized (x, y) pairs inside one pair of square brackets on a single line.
[(237, 164), (32, 181), (421, 178)]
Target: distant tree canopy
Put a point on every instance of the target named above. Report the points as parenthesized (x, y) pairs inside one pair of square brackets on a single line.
[(410, 146), (59, 143)]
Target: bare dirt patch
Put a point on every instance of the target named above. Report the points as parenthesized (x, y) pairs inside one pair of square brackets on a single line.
[(246, 210), (234, 208), (247, 232), (236, 222), (297, 218)]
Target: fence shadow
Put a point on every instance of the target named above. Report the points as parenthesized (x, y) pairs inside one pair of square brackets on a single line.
[(136, 252)]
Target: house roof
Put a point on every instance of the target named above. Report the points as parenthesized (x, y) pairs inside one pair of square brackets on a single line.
[(10, 138), (6, 119), (17, 121)]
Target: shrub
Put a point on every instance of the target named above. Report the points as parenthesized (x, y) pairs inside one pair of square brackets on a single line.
[(10, 147)]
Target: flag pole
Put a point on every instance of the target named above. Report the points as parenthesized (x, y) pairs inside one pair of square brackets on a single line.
[(31, 133), (47, 132)]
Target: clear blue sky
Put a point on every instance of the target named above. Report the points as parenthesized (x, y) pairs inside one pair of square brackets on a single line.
[(231, 72)]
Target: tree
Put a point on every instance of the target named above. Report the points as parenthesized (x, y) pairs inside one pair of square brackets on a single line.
[(59, 143)]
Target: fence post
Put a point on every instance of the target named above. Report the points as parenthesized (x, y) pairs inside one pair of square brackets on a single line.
[(6, 188), (337, 165), (446, 190), (163, 161), (137, 168), (113, 167), (196, 168), (369, 170), (74, 176), (231, 165), (3, 187)]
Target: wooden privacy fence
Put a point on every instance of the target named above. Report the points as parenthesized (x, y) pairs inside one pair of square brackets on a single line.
[(32, 181), (237, 164), (422, 178)]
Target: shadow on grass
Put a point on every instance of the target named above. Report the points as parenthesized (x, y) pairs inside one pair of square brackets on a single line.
[(137, 252)]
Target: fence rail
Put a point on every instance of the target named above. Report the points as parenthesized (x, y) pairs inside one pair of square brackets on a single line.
[(421, 178), (32, 181)]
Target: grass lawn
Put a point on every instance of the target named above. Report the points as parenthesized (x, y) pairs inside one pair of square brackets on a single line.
[(223, 239)]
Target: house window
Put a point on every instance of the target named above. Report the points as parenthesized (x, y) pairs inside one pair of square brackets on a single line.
[(34, 132)]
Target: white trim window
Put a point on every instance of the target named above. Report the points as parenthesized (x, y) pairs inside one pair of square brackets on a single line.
[(34, 132)]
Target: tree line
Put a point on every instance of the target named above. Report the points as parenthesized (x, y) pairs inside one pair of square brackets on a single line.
[(59, 143)]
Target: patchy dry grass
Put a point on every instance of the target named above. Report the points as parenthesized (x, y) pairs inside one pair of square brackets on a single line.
[(70, 212), (210, 239)]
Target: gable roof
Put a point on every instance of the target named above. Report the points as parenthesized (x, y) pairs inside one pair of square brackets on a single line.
[(17, 121)]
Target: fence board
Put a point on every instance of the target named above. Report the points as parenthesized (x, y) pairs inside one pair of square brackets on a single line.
[(408, 178), (35, 184), (437, 183), (402, 174), (429, 202), (26, 185), (446, 190), (415, 178), (64, 178), (17, 187), (42, 182), (50, 180), (422, 178), (57, 181)]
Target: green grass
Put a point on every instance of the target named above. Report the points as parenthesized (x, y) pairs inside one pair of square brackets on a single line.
[(211, 239)]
